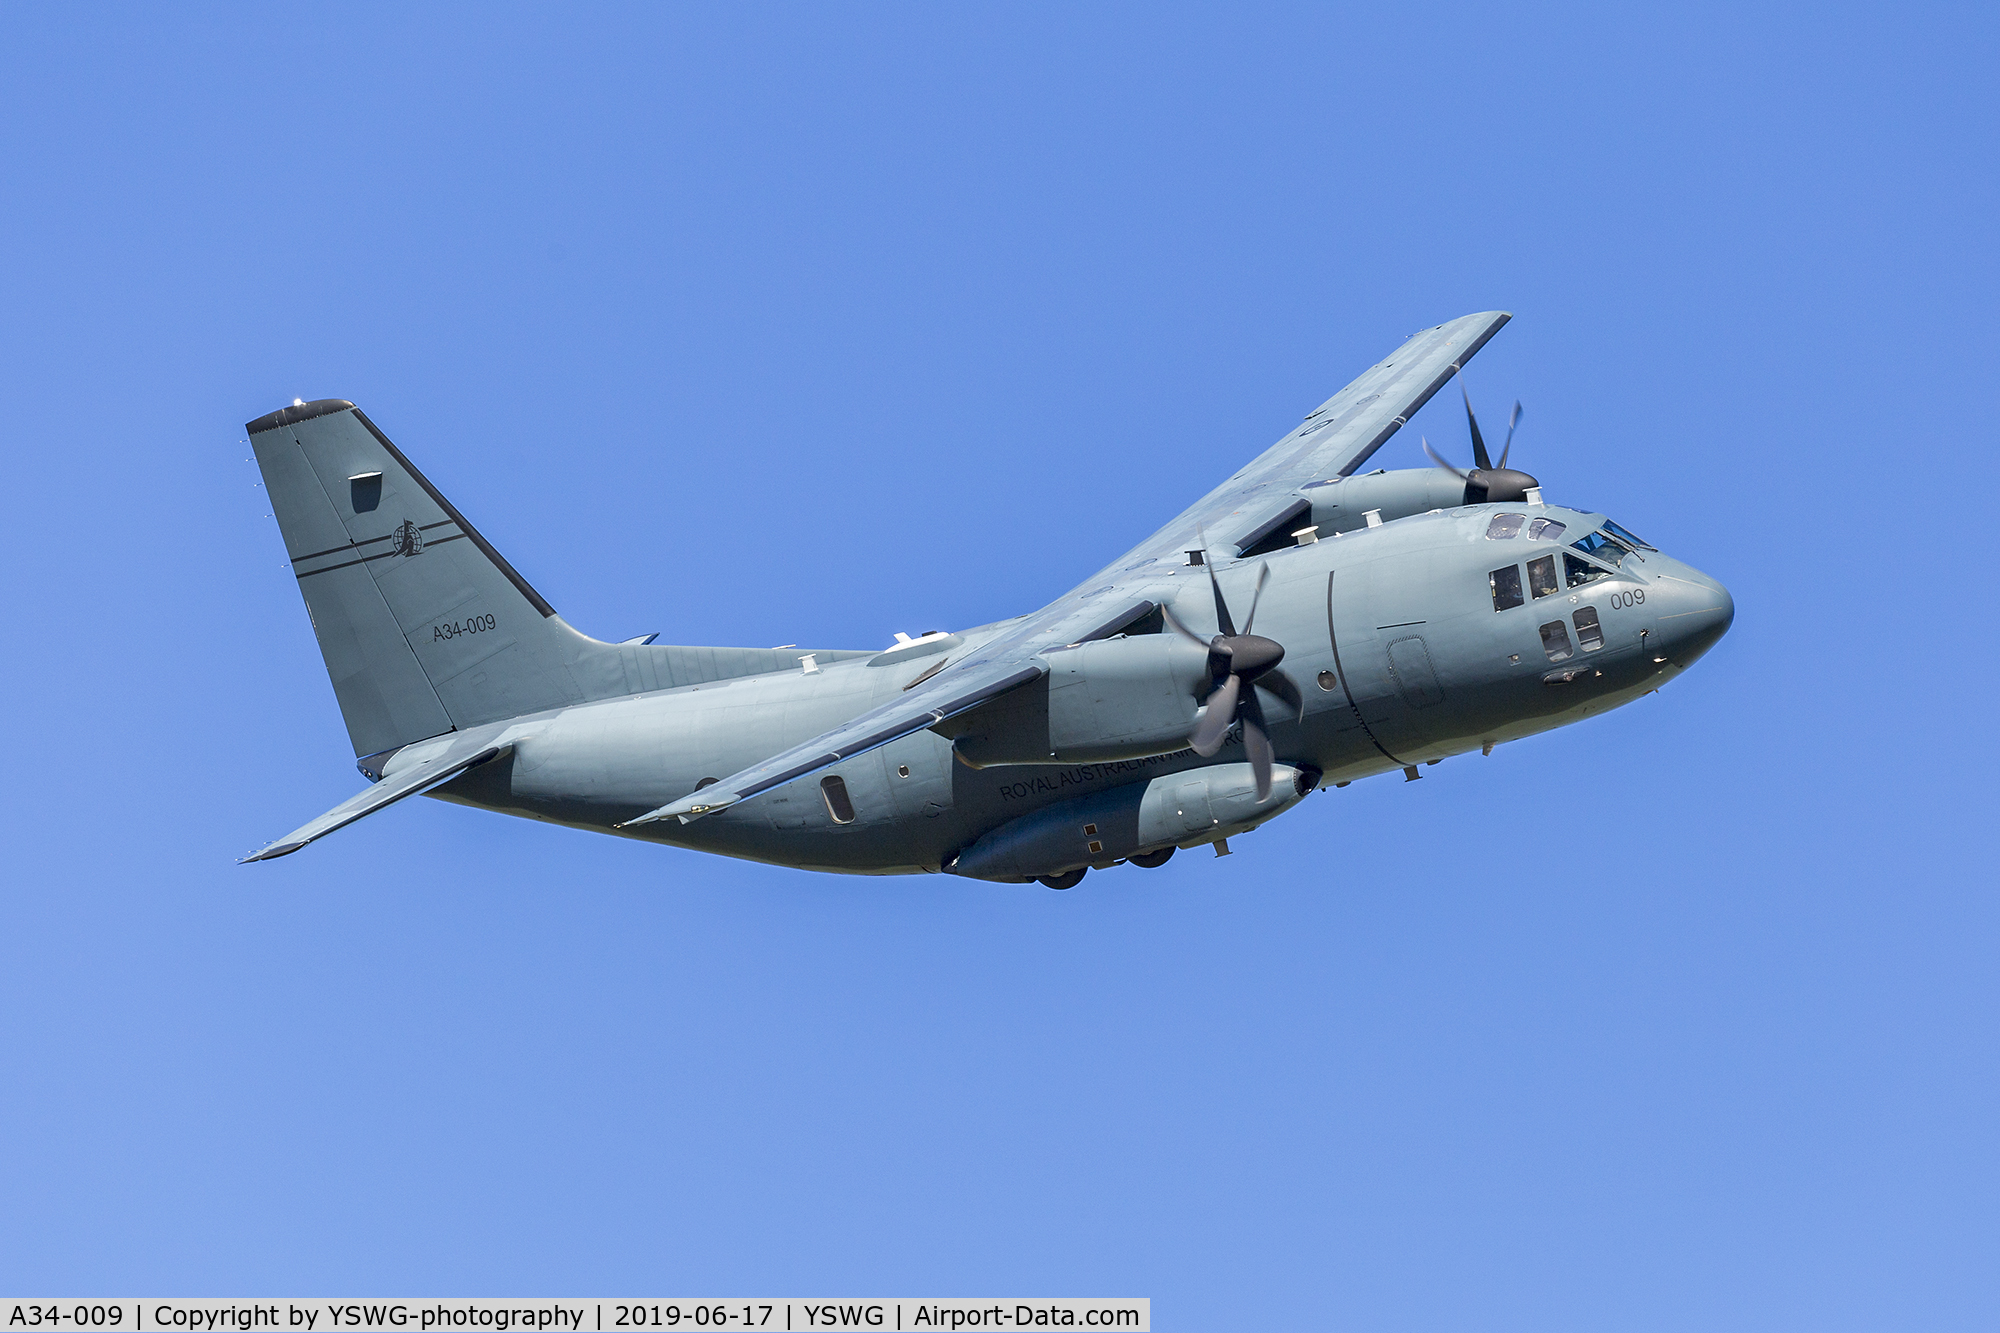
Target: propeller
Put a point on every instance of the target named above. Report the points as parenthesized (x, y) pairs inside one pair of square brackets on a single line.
[(1239, 665), (1487, 483)]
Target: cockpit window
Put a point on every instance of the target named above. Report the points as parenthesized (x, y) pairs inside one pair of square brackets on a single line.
[(1631, 537), (1542, 576), (1505, 525), (1545, 530), (1555, 640), (1506, 585), (1601, 546), (1579, 572)]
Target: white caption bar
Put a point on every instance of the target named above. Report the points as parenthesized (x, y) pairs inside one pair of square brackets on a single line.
[(590, 1315)]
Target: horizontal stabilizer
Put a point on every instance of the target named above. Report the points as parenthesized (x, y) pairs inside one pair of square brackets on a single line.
[(419, 777)]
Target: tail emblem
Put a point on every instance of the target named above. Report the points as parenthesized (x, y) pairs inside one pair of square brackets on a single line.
[(407, 539)]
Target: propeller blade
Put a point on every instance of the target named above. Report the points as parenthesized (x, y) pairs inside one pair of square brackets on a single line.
[(1215, 723), (1257, 743), (1280, 684), (1223, 624), (1479, 455), (1181, 629), (1222, 621), (1512, 421), (1263, 577), (1440, 462)]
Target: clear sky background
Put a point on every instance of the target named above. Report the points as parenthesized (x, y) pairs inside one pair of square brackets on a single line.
[(760, 325)]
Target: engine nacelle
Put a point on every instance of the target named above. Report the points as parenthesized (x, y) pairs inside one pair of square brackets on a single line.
[(1125, 698), (1343, 505), (1176, 810)]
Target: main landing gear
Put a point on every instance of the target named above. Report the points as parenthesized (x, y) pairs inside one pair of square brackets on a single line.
[(1069, 879)]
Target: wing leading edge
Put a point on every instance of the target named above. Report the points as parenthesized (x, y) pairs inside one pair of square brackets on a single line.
[(1332, 442), (1347, 429), (1337, 438)]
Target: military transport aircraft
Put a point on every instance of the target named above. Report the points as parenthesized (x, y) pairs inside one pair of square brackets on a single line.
[(1303, 625)]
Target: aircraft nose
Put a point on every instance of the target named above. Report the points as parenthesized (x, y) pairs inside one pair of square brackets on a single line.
[(1698, 611)]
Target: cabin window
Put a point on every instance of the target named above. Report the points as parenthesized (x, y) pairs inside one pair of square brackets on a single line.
[(1328, 681), (834, 789), (1546, 530), (1506, 586), (1504, 526), (1580, 572), (1589, 633), (1542, 576), (1555, 640)]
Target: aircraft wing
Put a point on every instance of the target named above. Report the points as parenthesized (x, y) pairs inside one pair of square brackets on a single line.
[(956, 689), (431, 763), (1335, 441)]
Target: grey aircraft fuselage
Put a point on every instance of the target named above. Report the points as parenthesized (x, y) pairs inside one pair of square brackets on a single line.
[(1462, 678), (1400, 618)]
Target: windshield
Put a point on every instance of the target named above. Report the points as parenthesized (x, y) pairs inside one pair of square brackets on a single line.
[(1603, 547), (1622, 535)]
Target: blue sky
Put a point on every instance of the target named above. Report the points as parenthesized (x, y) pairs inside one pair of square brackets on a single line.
[(813, 324)]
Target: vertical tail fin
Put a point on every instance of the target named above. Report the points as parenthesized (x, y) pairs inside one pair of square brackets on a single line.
[(424, 626)]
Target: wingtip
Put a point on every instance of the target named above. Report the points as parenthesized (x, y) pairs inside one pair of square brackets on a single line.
[(271, 853)]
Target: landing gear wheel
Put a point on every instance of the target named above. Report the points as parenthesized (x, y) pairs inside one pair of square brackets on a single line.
[(1069, 879), (1152, 860)]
